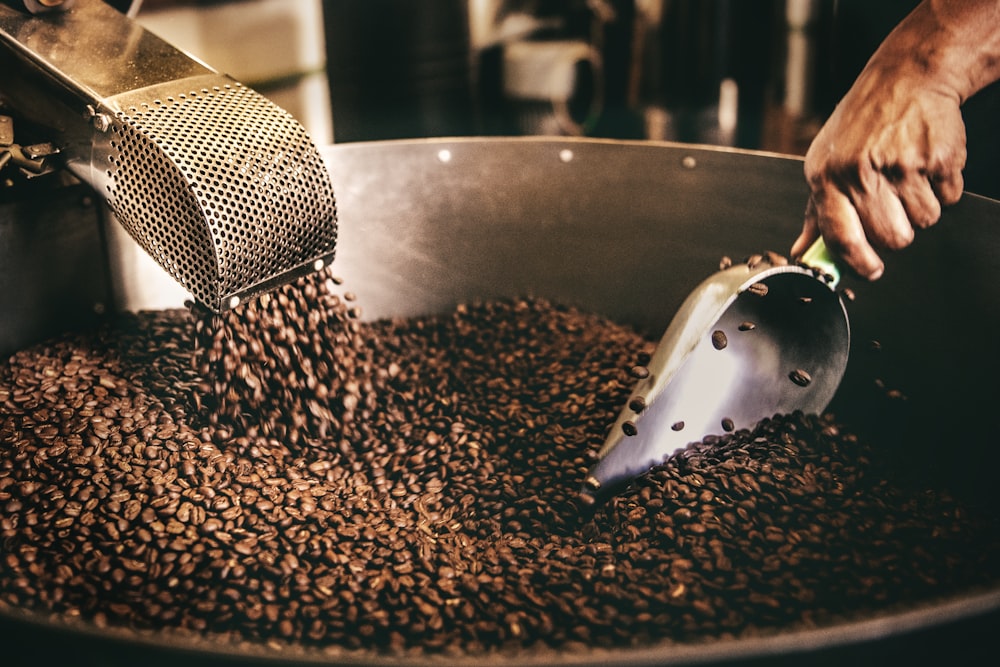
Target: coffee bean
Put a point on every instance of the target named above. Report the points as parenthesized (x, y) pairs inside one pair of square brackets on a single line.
[(747, 326), (289, 474), (628, 428), (775, 258), (800, 377), (637, 404), (758, 289)]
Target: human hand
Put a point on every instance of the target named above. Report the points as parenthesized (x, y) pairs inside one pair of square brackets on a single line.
[(886, 161)]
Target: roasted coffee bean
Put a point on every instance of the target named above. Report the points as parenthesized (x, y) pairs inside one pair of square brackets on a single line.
[(677, 426), (637, 404), (629, 428), (286, 473), (747, 326), (758, 289), (800, 377), (640, 372), (775, 258), (727, 424)]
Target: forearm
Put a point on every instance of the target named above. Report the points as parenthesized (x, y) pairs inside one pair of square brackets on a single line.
[(892, 152), (951, 44)]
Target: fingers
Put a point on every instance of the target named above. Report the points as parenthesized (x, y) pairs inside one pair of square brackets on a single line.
[(881, 211), (944, 168), (840, 223), (948, 186), (810, 232), (920, 203)]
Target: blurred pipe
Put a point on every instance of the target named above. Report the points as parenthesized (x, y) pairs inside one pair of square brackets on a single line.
[(800, 16), (729, 108)]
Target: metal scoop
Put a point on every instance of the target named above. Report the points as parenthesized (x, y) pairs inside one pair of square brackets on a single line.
[(225, 190), (751, 341)]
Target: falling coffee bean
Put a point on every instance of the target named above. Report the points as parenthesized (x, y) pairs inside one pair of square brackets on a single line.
[(758, 289), (677, 426), (747, 326), (719, 340), (727, 424), (629, 428), (800, 377), (637, 404)]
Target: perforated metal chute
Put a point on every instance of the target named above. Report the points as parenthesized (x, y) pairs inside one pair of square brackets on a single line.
[(222, 188)]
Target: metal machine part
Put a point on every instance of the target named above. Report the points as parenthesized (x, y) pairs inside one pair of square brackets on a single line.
[(224, 189), (30, 160)]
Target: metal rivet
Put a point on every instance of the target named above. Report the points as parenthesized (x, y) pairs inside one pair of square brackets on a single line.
[(566, 155)]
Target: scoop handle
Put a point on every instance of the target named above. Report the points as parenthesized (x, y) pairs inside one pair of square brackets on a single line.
[(818, 256)]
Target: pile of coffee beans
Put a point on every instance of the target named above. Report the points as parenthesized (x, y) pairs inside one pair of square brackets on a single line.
[(289, 475)]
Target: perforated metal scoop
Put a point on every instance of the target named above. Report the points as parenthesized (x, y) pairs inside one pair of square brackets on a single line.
[(224, 189), (751, 341)]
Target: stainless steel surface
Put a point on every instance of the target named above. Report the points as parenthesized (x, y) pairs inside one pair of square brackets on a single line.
[(626, 230), (750, 342), (222, 188)]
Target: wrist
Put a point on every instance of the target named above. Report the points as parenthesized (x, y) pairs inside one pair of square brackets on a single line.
[(952, 46)]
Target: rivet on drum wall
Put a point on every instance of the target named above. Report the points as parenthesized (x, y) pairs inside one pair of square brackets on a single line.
[(566, 155), (689, 162)]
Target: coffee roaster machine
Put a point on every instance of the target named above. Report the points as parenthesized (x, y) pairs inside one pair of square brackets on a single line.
[(623, 228)]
